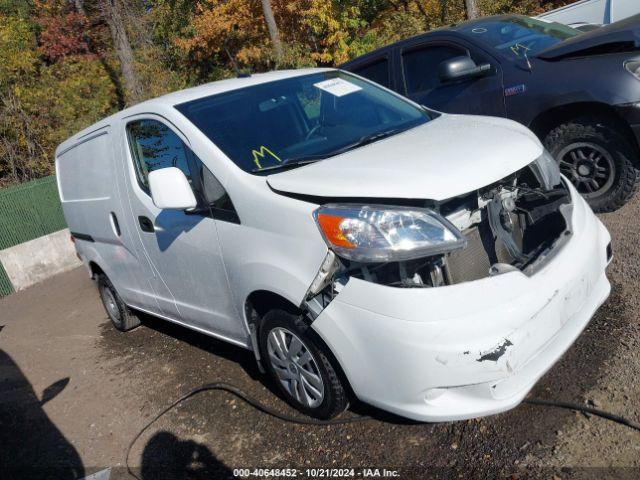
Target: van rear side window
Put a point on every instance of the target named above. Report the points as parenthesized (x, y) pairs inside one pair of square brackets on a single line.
[(93, 155), (155, 146)]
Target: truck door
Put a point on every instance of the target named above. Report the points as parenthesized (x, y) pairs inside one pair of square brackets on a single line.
[(422, 84), (185, 264)]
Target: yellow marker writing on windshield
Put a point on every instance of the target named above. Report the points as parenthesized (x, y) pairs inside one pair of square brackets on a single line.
[(261, 153)]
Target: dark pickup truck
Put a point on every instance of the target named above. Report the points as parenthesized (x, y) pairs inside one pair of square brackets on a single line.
[(579, 92)]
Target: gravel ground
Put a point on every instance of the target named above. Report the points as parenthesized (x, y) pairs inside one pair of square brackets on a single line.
[(107, 385)]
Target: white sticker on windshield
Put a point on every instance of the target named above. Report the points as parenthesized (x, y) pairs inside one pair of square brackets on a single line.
[(337, 87)]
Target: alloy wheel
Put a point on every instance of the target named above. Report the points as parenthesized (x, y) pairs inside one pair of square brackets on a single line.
[(589, 166), (295, 367)]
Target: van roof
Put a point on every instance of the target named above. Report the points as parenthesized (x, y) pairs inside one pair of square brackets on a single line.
[(186, 95)]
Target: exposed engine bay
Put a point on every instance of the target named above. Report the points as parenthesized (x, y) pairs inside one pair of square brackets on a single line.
[(518, 223)]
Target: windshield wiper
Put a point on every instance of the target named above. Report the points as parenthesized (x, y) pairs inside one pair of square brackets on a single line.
[(367, 139), (292, 163), (307, 159)]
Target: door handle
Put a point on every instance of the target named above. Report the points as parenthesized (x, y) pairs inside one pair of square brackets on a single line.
[(115, 226), (146, 225)]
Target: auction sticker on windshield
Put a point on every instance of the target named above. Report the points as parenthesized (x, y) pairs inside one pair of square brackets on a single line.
[(337, 86)]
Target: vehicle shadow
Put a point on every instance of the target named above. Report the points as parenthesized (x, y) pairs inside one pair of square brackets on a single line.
[(166, 457), (170, 224), (222, 349), (244, 358), (31, 446), (247, 361)]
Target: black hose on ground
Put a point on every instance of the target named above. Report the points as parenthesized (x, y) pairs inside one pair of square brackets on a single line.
[(585, 409), (226, 387)]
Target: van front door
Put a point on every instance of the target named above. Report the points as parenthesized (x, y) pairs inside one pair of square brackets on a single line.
[(185, 264)]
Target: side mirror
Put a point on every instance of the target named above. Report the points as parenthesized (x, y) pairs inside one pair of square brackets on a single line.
[(462, 67), (170, 189), (53, 390)]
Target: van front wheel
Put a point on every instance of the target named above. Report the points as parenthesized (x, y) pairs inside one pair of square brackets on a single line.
[(120, 315), (299, 363)]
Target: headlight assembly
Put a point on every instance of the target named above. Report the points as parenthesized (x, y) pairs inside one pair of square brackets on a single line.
[(378, 233), (547, 169), (633, 67)]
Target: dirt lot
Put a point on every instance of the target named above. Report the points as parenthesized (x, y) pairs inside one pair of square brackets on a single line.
[(109, 384)]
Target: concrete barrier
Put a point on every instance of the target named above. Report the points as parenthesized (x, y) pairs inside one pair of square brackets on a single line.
[(33, 261)]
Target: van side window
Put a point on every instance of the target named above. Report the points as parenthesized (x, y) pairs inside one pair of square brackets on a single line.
[(155, 146), (376, 71), (216, 196)]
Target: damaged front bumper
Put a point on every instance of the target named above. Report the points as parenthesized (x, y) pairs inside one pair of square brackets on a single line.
[(470, 349)]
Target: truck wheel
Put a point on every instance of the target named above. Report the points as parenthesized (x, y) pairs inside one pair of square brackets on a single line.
[(300, 365), (597, 159), (121, 316)]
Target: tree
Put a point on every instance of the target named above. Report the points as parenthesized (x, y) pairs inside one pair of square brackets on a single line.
[(112, 11), (66, 63), (51, 86), (62, 35), (472, 9), (273, 28), (79, 4)]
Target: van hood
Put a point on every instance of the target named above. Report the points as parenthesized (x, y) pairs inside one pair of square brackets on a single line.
[(446, 157), (622, 36)]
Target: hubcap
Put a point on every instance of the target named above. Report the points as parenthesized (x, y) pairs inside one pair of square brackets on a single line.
[(589, 167), (110, 303), (295, 367)]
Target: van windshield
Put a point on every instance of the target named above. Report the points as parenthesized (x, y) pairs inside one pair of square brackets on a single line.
[(287, 123), (517, 36)]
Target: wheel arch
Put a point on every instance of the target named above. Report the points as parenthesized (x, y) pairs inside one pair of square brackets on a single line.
[(95, 269), (555, 116), (259, 302)]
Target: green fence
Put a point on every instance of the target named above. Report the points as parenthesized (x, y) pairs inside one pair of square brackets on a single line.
[(28, 211), (5, 285)]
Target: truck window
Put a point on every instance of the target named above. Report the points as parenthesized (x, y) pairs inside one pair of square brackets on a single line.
[(155, 146), (421, 66), (376, 71)]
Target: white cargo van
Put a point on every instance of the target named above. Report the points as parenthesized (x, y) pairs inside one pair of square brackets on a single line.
[(434, 265)]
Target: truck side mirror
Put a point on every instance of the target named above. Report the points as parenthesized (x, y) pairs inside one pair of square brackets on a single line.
[(462, 67), (170, 189)]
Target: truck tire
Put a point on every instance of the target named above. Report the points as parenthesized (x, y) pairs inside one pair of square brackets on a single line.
[(300, 364), (120, 315), (597, 159)]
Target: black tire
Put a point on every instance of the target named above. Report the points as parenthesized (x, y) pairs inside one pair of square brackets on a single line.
[(598, 148), (335, 398), (120, 315)]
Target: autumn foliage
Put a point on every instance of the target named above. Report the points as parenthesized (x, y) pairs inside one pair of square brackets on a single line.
[(62, 62), (62, 36)]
